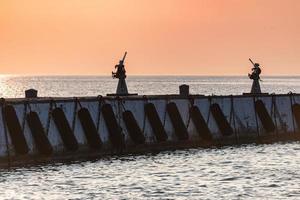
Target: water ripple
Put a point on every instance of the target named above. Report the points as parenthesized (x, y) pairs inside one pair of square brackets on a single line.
[(224, 173)]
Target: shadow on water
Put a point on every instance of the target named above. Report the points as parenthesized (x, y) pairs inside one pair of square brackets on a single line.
[(154, 156)]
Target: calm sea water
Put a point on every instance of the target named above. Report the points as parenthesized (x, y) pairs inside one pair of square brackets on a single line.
[(241, 172), (14, 86)]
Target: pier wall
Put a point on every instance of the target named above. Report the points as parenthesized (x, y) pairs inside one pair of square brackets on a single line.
[(230, 120)]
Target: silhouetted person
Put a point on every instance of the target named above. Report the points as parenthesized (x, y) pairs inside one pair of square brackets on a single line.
[(256, 71), (121, 75), (121, 72), (255, 76)]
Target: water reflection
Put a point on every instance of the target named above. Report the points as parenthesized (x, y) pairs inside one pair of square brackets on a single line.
[(249, 171)]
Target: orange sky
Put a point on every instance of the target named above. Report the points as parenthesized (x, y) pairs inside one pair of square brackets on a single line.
[(201, 37)]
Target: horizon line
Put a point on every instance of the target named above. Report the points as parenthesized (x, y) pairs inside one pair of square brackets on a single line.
[(204, 75)]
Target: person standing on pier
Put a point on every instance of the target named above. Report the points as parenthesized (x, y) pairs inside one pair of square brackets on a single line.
[(255, 76), (121, 75)]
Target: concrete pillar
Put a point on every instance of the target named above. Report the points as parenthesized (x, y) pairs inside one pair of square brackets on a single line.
[(31, 93), (255, 87), (184, 90)]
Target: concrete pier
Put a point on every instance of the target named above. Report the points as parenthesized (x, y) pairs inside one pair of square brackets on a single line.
[(237, 120)]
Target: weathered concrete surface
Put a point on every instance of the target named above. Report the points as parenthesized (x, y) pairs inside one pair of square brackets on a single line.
[(238, 110)]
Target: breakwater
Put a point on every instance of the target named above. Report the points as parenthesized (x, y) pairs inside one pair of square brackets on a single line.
[(49, 129)]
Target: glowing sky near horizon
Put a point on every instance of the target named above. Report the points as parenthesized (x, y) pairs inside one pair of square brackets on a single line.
[(177, 37)]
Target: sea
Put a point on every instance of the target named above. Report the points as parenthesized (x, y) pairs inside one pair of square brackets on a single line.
[(265, 171)]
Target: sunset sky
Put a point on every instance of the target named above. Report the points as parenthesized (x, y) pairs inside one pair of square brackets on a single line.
[(176, 37)]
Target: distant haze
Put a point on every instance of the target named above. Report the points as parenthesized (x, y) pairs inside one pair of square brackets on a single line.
[(186, 37)]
